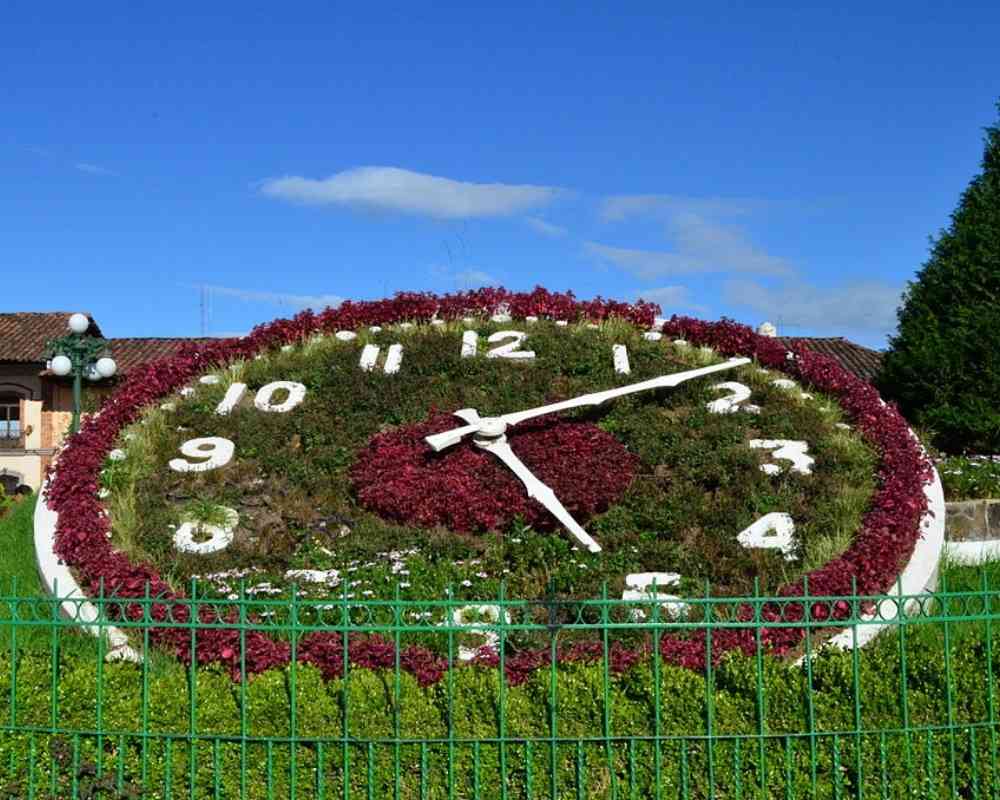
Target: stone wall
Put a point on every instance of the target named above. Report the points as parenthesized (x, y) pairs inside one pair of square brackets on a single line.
[(973, 520)]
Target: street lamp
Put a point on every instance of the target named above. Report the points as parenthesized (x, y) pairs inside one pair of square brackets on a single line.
[(82, 356)]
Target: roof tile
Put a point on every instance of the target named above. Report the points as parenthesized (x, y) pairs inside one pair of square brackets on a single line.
[(855, 358), (132, 352), (24, 334)]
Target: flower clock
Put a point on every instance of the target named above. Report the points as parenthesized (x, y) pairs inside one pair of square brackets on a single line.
[(488, 445)]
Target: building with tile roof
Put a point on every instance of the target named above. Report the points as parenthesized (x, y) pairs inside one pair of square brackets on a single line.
[(855, 358), (36, 405)]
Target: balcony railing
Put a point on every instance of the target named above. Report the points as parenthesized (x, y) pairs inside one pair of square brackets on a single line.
[(11, 440)]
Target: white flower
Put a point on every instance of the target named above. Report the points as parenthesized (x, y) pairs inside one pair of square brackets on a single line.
[(466, 583)]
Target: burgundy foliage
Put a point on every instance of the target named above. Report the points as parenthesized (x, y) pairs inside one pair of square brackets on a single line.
[(465, 488), (880, 548)]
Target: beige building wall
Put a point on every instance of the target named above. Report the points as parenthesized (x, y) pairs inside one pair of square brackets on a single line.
[(27, 468), (31, 424)]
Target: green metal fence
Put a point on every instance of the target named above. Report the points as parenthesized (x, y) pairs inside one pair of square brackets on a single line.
[(913, 714)]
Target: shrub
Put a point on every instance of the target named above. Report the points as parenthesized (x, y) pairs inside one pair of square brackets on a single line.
[(942, 365), (970, 478), (791, 729)]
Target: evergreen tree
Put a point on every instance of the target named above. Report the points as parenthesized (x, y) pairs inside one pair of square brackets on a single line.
[(943, 364)]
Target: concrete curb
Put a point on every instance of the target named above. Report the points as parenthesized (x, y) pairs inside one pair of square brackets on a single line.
[(60, 583), (920, 574), (972, 553)]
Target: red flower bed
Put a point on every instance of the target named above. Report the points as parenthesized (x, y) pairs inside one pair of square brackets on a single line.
[(880, 548), (464, 488)]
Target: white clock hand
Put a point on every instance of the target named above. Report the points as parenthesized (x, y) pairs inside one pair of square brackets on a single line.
[(499, 447), (439, 441)]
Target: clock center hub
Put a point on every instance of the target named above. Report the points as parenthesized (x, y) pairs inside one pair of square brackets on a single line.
[(491, 428)]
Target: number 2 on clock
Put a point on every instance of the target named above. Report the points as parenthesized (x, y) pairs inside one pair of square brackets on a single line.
[(470, 345)]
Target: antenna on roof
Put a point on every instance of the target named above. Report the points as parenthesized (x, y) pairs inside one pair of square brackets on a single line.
[(205, 309)]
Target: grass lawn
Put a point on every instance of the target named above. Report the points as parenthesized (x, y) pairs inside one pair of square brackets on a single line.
[(24, 597)]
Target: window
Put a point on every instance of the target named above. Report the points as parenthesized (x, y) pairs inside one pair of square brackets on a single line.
[(10, 418)]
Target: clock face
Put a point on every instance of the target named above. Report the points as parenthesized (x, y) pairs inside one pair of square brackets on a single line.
[(329, 464)]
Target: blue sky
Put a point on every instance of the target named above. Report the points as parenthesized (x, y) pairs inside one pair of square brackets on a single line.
[(785, 162)]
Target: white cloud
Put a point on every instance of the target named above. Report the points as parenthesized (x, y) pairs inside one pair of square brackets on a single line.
[(724, 247), (315, 301), (474, 278), (670, 299), (619, 207), (701, 243), (546, 228), (645, 264), (861, 306), (401, 190), (468, 278), (700, 246), (93, 169)]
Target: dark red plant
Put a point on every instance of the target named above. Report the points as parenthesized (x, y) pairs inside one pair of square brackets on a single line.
[(464, 488)]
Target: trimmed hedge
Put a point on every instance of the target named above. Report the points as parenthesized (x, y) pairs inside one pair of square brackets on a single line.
[(380, 753)]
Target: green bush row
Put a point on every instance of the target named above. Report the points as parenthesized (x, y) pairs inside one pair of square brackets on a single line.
[(969, 478), (380, 732)]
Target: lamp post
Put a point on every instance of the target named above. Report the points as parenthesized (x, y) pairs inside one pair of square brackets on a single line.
[(82, 356)]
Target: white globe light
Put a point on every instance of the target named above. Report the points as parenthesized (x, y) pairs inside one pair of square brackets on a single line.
[(61, 365), (106, 366), (92, 374), (78, 323)]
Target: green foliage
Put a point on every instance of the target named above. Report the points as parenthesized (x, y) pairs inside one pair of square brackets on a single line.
[(764, 729), (943, 365), (966, 478), (19, 579)]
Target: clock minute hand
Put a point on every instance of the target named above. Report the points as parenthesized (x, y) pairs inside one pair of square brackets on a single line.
[(439, 441), (541, 492)]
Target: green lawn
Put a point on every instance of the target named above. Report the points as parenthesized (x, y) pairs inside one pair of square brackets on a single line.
[(19, 579)]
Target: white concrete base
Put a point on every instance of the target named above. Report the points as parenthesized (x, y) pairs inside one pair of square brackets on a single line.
[(972, 554), (919, 576), (59, 582)]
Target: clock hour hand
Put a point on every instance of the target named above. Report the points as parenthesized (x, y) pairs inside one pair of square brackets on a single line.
[(439, 441), (499, 447)]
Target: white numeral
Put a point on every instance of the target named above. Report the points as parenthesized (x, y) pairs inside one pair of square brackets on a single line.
[(393, 359), (296, 394), (509, 350), (470, 344), (489, 615), (787, 450), (217, 451), (219, 536), (232, 399), (620, 353), (731, 403), (639, 586), (772, 531)]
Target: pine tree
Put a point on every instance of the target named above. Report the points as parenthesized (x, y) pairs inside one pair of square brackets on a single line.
[(943, 364)]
